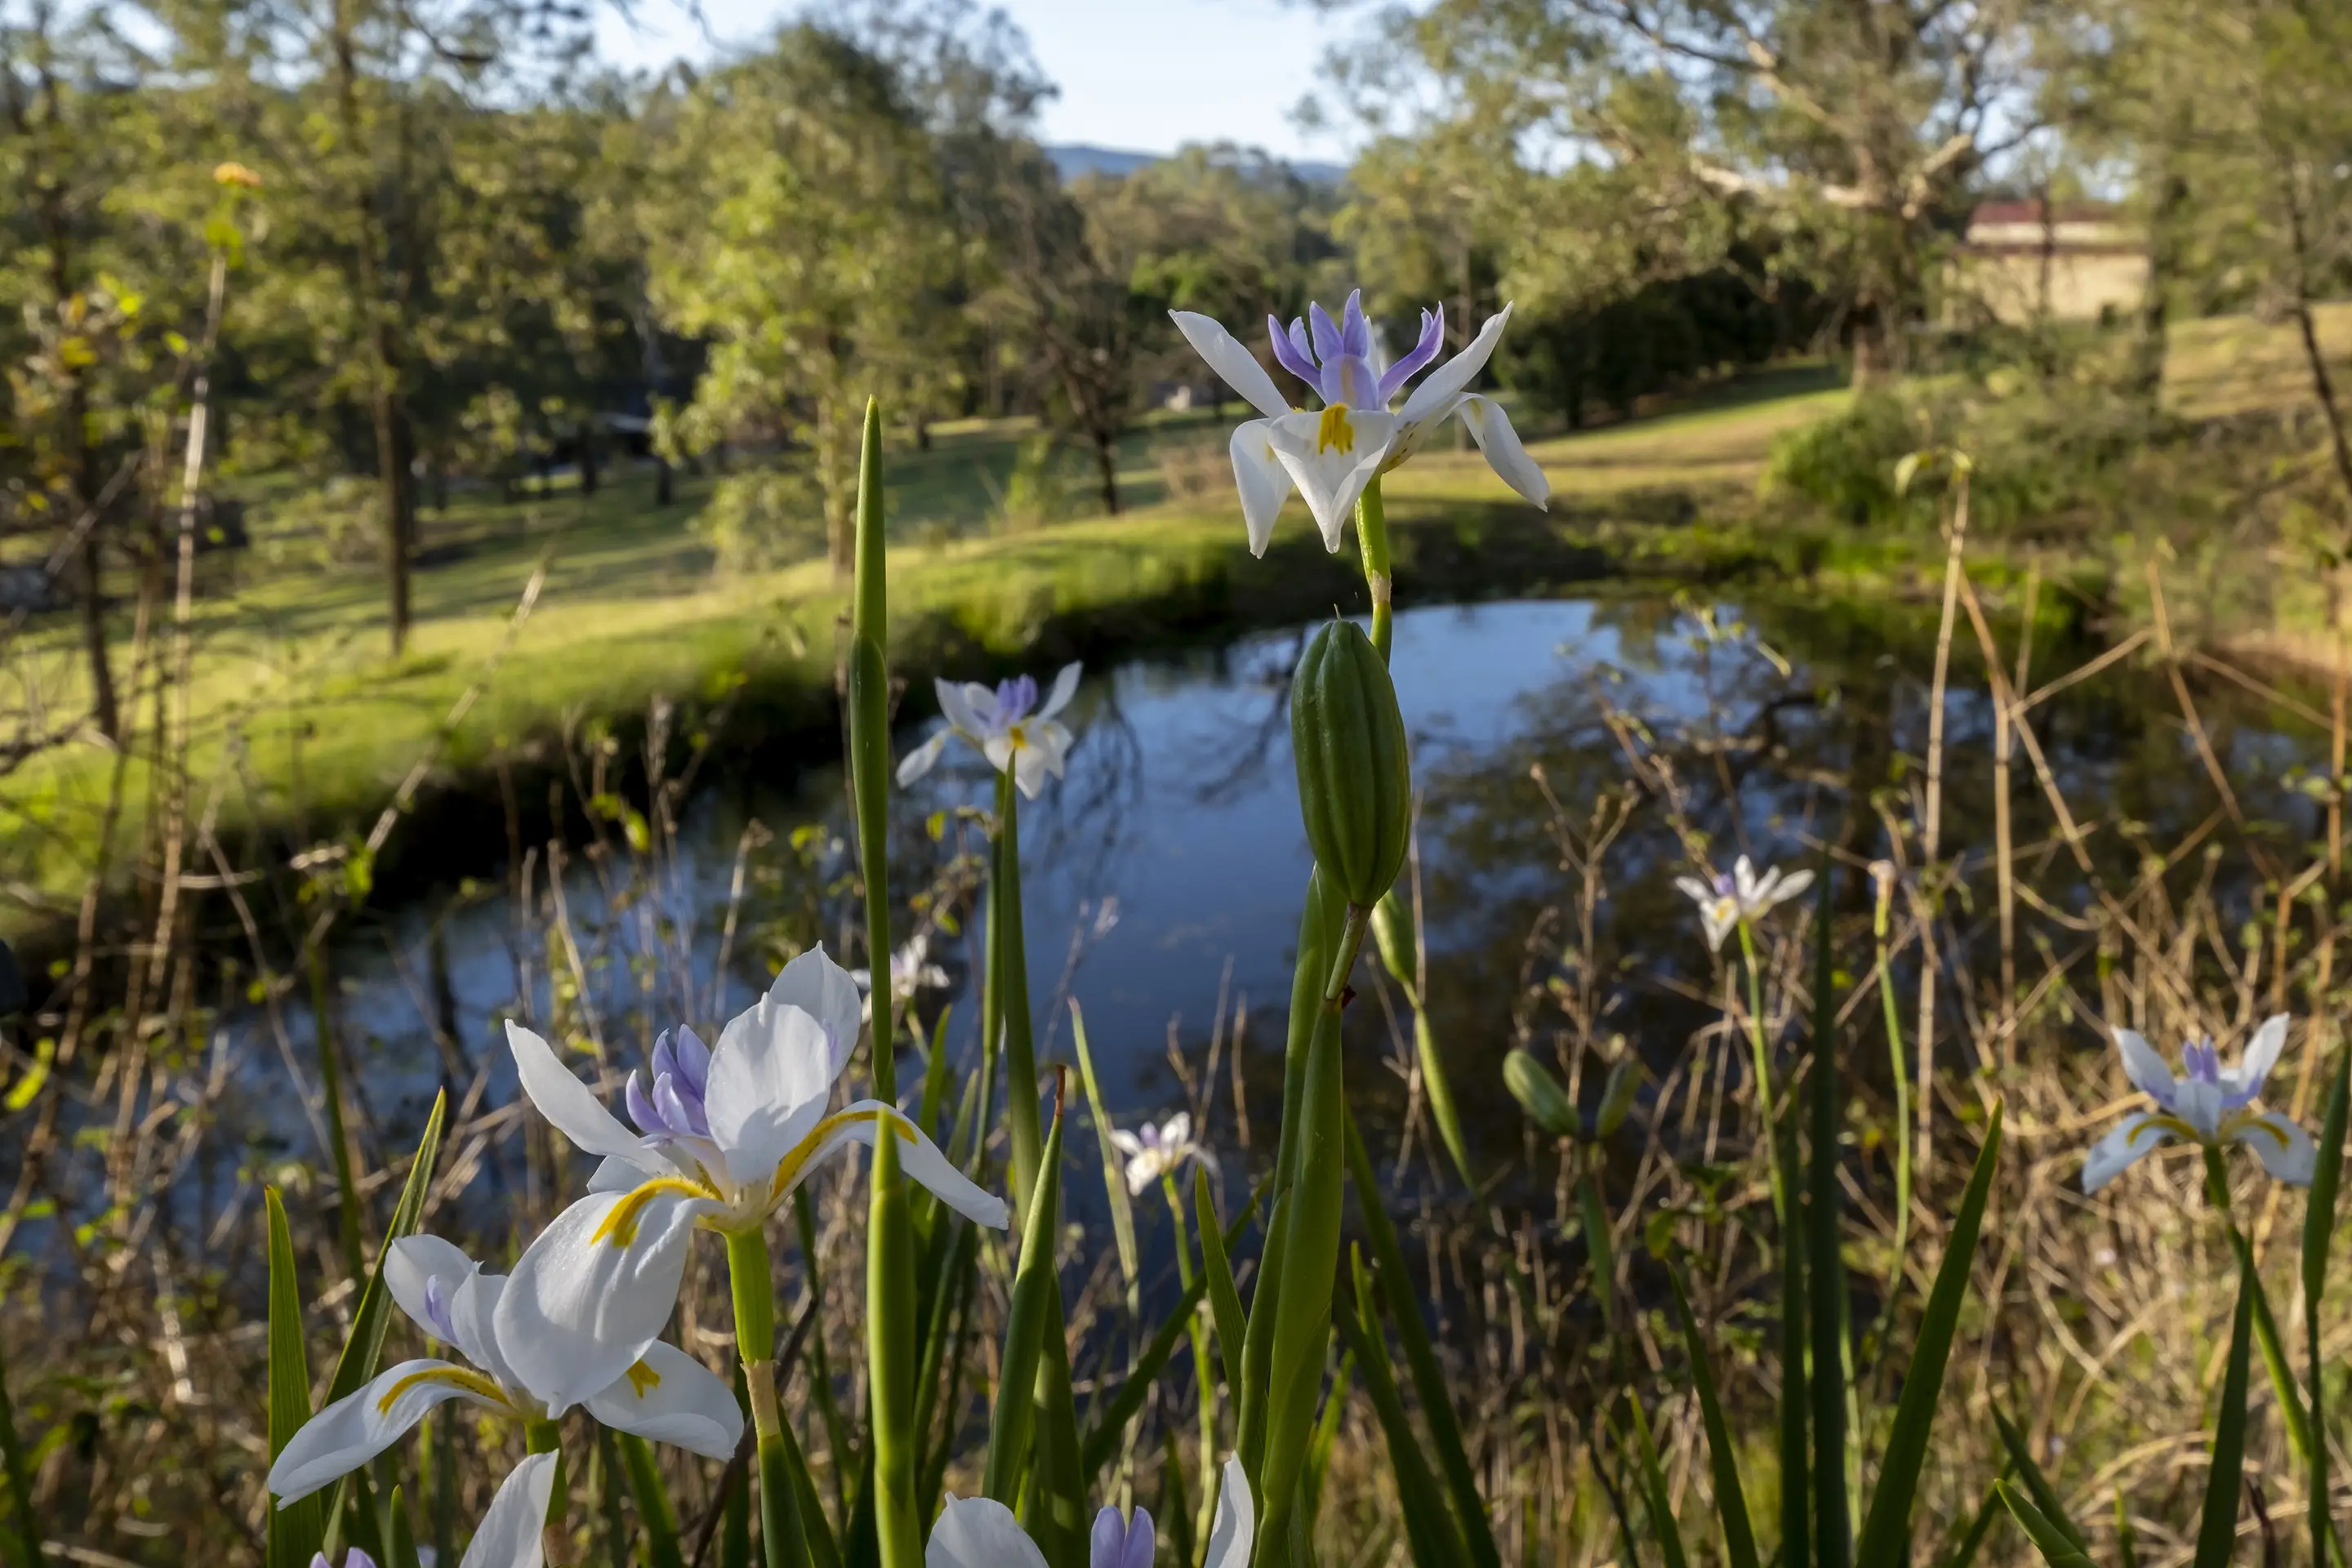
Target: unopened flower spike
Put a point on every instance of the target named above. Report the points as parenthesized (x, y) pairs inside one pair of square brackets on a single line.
[(1725, 901), (1006, 724), (722, 1137), (1331, 453), (981, 1532), (658, 1392), (2211, 1106), (1156, 1152)]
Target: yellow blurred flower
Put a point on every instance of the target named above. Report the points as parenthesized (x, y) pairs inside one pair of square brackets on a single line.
[(237, 174)]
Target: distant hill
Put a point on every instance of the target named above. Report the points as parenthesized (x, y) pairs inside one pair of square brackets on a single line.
[(1073, 159)]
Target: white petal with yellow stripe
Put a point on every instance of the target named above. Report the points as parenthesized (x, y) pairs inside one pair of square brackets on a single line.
[(1331, 455), (360, 1426)]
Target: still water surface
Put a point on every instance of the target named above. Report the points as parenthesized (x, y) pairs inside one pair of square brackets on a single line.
[(1169, 861)]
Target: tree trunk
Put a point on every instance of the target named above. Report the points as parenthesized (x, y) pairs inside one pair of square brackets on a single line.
[(1873, 345), (662, 491), (1107, 468), (586, 441), (2153, 344), (396, 494), (104, 708)]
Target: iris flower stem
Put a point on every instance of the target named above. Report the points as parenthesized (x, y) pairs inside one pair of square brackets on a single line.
[(2267, 1331), (890, 1250), (1372, 539), (1011, 960), (1203, 1372), (1902, 1069), (547, 1437), (1302, 1327), (1763, 1069)]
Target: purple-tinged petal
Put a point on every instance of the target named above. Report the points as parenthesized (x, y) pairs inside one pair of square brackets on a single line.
[(1290, 353), (1433, 340), (665, 1060), (1142, 1542), (1109, 1540), (1328, 344), (640, 1108), (437, 1311), (1353, 382), (1355, 332), (1014, 699), (693, 1061), (673, 1108)]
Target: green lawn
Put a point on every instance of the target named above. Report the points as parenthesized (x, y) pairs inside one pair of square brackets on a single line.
[(303, 722)]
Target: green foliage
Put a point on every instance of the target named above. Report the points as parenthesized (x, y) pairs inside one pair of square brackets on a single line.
[(295, 1531), (762, 518)]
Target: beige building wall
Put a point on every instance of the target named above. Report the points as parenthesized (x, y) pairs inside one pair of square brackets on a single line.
[(2083, 287)]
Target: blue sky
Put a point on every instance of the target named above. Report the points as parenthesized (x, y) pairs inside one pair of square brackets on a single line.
[(1142, 74)]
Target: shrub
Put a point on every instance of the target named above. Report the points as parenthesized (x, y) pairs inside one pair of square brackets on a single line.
[(763, 518)]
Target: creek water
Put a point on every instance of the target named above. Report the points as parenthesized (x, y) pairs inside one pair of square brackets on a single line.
[(1162, 875)]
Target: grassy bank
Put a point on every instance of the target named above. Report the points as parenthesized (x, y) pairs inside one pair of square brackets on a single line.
[(303, 729)]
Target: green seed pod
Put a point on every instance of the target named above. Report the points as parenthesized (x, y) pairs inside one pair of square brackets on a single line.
[(1392, 931), (1540, 1095), (1617, 1100), (1354, 782)]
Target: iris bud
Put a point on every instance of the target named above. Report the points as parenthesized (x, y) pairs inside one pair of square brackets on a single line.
[(1540, 1095), (1354, 782), (1617, 1098), (1392, 931)]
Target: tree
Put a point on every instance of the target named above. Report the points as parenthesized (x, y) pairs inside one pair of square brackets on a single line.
[(801, 238), (1849, 129), (73, 359)]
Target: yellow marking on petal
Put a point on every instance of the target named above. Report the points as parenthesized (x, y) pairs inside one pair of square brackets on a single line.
[(643, 1379), (2166, 1121), (473, 1382), (790, 1168), (620, 1226), (1335, 431), (2247, 1121), (1019, 736)]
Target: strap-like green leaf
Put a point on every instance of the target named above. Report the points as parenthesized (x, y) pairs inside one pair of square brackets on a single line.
[(297, 1530), (1655, 1502), (2058, 1548), (400, 1547), (2037, 1485), (1886, 1530), (1429, 1384), (1730, 1497), (1964, 1554), (654, 1508), (1225, 1301), (1796, 1462), (1429, 1530), (1825, 1287), (2217, 1534), (2126, 1538), (1102, 1439), (364, 1348), (2318, 1230), (1035, 1302), (1114, 1169)]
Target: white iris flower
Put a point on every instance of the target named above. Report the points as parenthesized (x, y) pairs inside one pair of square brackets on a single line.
[(1333, 452), (911, 970), (662, 1394), (723, 1137), (1007, 726), (981, 1532), (1156, 1152), (1725, 902), (2212, 1106)]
